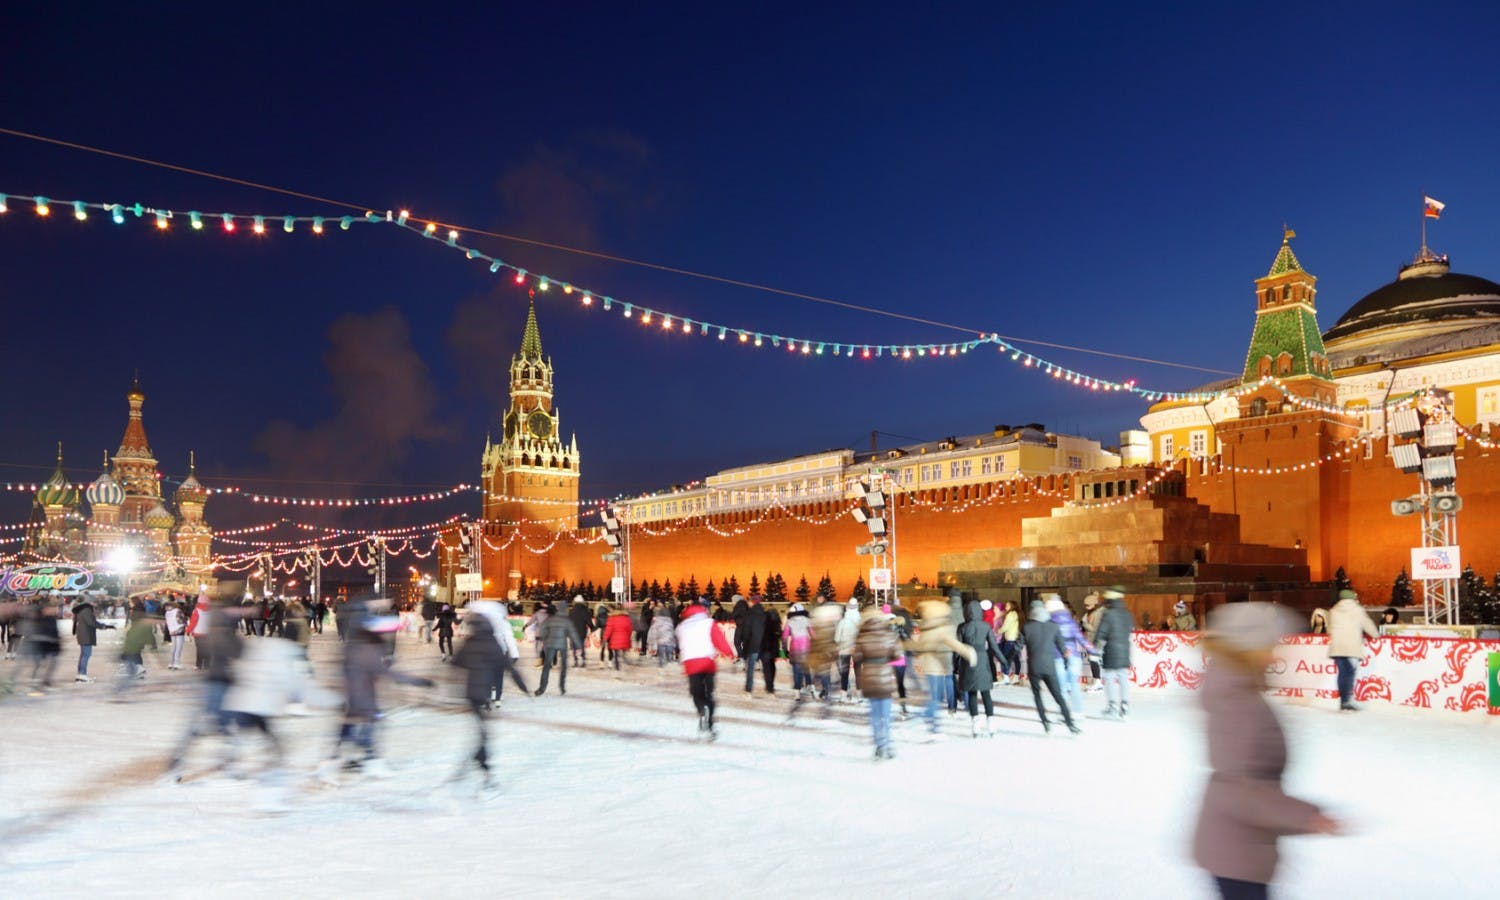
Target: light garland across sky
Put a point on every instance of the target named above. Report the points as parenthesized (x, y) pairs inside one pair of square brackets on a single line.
[(263, 224)]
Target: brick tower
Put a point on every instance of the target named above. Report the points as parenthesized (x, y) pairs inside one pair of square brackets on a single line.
[(1279, 428), (530, 476)]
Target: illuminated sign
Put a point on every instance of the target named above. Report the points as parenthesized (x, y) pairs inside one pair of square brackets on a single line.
[(1435, 563), (29, 580)]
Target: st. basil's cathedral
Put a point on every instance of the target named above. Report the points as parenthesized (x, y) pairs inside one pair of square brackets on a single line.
[(126, 510)]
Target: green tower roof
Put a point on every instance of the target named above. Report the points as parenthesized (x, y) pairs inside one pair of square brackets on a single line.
[(531, 342)]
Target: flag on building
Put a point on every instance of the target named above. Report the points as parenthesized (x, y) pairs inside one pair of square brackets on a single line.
[(1432, 208)]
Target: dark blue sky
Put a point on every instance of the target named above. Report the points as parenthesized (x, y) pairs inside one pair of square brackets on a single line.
[(1113, 178)]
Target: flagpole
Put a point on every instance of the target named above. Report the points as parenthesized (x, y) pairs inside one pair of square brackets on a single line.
[(1424, 226)]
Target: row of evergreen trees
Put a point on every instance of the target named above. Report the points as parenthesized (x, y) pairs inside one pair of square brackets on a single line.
[(774, 589)]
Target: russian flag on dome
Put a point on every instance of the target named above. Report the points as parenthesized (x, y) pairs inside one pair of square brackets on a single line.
[(1432, 208)]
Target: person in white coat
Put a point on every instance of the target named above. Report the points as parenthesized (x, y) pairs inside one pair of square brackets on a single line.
[(1348, 625), (177, 631), (268, 675)]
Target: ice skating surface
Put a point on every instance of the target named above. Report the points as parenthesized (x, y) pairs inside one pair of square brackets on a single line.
[(609, 792)]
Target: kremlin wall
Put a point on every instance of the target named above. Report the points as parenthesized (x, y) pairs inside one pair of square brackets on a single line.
[(1267, 491)]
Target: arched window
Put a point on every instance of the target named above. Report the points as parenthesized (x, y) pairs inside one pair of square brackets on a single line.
[(1258, 406), (1264, 366), (1284, 363)]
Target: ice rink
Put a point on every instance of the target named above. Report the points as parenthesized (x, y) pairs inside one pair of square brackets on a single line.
[(607, 792)]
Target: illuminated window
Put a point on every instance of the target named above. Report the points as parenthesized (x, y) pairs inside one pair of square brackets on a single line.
[(1075, 462), (1487, 404), (967, 468), (986, 465), (1198, 443), (1166, 448)]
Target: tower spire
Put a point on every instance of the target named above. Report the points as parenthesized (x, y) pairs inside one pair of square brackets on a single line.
[(531, 341)]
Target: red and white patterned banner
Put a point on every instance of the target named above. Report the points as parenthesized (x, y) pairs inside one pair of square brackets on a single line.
[(1427, 673)]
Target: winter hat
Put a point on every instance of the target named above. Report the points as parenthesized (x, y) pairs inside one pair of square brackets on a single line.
[(886, 608), (1114, 592), (1347, 594), (1248, 626), (1039, 612), (1181, 606), (852, 604), (1054, 603), (738, 598), (986, 605), (577, 598), (796, 607)]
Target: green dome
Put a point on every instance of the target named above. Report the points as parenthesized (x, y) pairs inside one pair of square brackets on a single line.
[(58, 491)]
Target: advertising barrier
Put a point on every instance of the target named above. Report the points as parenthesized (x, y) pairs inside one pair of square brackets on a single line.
[(1425, 673)]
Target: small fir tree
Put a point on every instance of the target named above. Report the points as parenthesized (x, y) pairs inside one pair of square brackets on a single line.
[(691, 589), (825, 586), (861, 592), (804, 590), (754, 583), (774, 592)]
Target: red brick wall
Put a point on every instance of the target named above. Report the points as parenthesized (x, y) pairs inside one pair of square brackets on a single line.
[(1340, 511)]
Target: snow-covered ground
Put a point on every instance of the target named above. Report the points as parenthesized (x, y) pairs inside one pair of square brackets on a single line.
[(608, 793)]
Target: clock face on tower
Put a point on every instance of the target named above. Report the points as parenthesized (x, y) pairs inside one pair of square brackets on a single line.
[(540, 424)]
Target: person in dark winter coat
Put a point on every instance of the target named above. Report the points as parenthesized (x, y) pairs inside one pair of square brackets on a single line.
[(486, 657), (43, 643), (578, 614), (1245, 810), (1044, 647), (557, 637), (737, 614), (875, 649), (750, 636), (1112, 638), (429, 618), (770, 648), (979, 676), (85, 629), (443, 624)]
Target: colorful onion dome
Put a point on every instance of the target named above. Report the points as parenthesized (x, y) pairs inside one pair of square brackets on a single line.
[(105, 491), (191, 490), (58, 491), (158, 517)]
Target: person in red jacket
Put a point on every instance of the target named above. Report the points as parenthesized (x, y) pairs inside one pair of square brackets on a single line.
[(618, 630), (700, 641)]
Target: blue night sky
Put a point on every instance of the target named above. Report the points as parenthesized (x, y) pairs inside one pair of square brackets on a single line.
[(1111, 176)]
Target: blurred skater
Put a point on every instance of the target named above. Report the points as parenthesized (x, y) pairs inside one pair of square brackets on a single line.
[(487, 657), (935, 644), (1070, 668), (700, 641), (618, 630), (844, 635), (661, 640), (443, 625), (875, 650), (370, 624), (1245, 811)]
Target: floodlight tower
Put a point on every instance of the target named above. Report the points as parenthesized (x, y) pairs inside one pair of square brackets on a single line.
[(1431, 437), (617, 537), (877, 512)]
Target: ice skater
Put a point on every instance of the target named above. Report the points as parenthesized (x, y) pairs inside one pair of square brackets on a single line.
[(876, 652), (1348, 625), (370, 623), (1245, 811), (700, 641), (487, 657), (934, 648), (1112, 638), (1044, 648)]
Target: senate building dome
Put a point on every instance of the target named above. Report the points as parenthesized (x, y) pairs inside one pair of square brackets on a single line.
[(1427, 299)]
